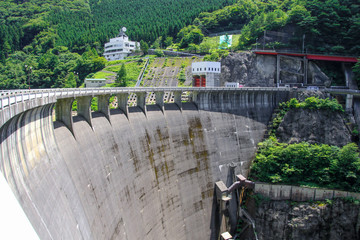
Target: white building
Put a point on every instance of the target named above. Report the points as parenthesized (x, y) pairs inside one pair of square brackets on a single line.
[(206, 74), (233, 85), (95, 82), (120, 47)]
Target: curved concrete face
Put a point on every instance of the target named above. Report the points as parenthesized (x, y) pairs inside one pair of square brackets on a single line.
[(141, 176)]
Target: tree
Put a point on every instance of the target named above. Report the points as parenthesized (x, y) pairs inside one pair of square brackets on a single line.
[(121, 80), (144, 47), (70, 81), (157, 43), (190, 34), (168, 41), (205, 47), (193, 48), (6, 49), (356, 70), (159, 53), (297, 14)]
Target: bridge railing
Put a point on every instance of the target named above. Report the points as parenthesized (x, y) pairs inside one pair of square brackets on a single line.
[(14, 96), (15, 102), (10, 97)]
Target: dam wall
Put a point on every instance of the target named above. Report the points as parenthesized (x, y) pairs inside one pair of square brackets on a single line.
[(144, 172)]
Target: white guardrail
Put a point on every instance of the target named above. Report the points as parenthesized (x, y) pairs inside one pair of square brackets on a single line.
[(10, 97)]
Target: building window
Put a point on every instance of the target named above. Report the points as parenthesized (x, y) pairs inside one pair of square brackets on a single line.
[(197, 69), (204, 69), (200, 69)]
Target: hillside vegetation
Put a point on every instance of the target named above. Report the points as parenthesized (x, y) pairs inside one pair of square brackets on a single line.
[(308, 164), (327, 26), (77, 23), (57, 43)]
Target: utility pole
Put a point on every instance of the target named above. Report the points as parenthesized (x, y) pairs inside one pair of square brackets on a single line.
[(303, 44), (28, 72), (264, 40)]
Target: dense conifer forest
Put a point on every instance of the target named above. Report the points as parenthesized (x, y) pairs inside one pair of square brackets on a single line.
[(77, 23), (57, 43), (52, 41)]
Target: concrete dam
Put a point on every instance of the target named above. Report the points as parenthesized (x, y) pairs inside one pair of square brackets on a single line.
[(141, 172)]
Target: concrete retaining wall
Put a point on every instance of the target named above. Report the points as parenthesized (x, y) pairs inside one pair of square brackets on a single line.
[(294, 193)]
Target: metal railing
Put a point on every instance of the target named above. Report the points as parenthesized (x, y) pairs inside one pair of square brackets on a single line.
[(10, 97), (14, 96)]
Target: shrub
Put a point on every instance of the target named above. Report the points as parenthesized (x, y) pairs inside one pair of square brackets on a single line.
[(309, 103), (159, 53), (308, 164)]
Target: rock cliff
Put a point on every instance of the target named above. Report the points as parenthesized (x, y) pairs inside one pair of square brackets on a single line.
[(314, 126), (253, 70), (249, 69), (331, 220)]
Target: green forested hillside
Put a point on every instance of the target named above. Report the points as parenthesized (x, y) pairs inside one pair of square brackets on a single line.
[(56, 43), (329, 26), (76, 23), (149, 19), (63, 39)]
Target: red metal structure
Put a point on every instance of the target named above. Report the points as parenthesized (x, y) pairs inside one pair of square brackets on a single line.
[(203, 81), (196, 81), (311, 56)]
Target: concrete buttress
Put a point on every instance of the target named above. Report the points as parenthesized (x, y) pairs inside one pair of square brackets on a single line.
[(63, 112), (122, 100), (84, 108), (103, 105), (159, 97), (141, 101), (177, 99)]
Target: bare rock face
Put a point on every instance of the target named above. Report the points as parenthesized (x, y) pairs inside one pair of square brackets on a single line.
[(253, 70), (336, 220), (316, 76), (248, 69), (314, 126)]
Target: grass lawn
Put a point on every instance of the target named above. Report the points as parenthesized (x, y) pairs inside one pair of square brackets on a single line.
[(102, 75), (115, 62), (133, 69)]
